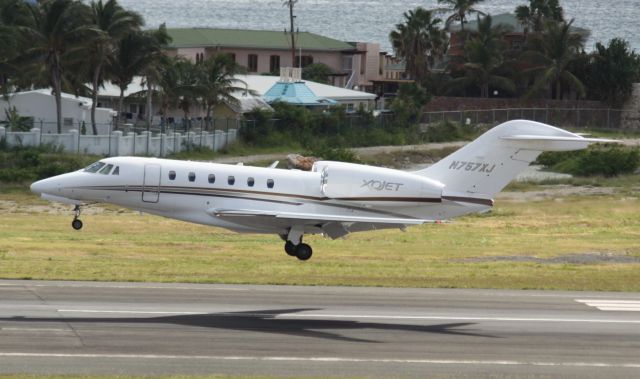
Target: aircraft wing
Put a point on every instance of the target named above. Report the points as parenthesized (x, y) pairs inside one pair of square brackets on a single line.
[(334, 226), (317, 217)]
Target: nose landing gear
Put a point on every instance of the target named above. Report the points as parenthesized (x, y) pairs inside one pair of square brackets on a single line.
[(76, 223)]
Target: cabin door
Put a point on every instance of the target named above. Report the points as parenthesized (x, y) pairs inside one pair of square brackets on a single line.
[(151, 183)]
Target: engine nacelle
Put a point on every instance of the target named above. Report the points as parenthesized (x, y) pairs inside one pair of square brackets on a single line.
[(366, 184)]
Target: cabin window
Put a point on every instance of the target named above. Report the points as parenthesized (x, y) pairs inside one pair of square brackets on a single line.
[(212, 178), (106, 169), (251, 182), (116, 171), (231, 180), (270, 183), (172, 175), (192, 176), (94, 167)]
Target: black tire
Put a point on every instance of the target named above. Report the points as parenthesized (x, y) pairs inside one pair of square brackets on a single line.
[(290, 248), (303, 251), (76, 224)]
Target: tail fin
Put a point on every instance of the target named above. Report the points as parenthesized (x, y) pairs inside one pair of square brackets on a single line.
[(485, 166)]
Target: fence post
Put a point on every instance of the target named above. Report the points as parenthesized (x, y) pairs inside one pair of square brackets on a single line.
[(226, 138), (110, 130), (577, 117), (546, 115)]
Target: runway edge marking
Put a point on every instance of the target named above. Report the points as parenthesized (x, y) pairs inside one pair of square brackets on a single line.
[(324, 359), (612, 305)]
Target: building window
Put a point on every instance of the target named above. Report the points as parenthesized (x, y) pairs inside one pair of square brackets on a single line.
[(253, 63), (172, 175), (250, 182), (231, 180), (116, 171), (232, 56), (212, 178), (270, 183), (274, 64), (192, 176), (305, 61)]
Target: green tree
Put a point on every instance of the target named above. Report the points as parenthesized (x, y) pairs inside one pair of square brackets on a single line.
[(484, 60), (317, 72), (54, 30), (408, 103), (112, 24), (460, 9), (538, 13), (218, 82), (613, 70), (419, 41), (14, 14), (558, 48), (137, 53)]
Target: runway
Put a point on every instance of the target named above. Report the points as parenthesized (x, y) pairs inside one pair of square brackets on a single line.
[(146, 329)]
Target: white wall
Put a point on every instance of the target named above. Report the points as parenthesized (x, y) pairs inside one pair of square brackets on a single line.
[(118, 144)]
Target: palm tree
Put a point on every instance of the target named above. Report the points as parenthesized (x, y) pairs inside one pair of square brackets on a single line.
[(558, 48), (484, 59), (538, 13), (218, 82), (138, 53), (13, 15), (419, 41), (55, 29), (113, 23), (460, 9)]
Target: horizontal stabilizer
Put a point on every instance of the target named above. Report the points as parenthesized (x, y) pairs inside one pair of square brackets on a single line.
[(554, 143), (318, 217)]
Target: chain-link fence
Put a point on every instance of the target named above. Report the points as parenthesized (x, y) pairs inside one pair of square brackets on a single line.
[(595, 118)]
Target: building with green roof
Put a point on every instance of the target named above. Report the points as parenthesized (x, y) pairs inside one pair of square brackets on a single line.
[(265, 51)]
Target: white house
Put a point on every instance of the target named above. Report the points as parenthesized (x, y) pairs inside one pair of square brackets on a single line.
[(40, 106)]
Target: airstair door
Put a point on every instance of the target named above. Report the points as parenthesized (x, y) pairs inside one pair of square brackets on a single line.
[(151, 183)]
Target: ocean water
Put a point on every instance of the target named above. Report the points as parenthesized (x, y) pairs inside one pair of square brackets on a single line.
[(370, 20)]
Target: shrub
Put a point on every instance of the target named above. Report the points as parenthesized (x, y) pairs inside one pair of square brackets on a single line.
[(608, 160)]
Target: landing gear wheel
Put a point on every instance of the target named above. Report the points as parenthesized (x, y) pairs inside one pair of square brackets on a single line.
[(76, 224), (290, 248), (303, 251)]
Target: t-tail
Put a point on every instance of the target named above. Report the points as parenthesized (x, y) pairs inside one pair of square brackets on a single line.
[(485, 166)]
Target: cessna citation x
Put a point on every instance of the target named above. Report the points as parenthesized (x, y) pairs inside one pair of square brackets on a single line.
[(334, 198)]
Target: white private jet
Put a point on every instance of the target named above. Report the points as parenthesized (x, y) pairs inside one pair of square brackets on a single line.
[(334, 198)]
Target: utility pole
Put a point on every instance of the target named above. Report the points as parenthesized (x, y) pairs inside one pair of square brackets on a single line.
[(290, 4)]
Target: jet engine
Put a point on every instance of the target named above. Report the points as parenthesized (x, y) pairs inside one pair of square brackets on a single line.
[(366, 184)]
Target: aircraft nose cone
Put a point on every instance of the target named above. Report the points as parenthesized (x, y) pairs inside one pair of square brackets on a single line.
[(42, 186)]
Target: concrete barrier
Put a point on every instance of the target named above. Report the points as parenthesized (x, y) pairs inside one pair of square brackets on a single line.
[(119, 144)]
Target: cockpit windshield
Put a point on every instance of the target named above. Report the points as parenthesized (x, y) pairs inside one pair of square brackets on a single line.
[(94, 167)]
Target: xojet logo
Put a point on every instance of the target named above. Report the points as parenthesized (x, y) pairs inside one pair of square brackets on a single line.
[(378, 185)]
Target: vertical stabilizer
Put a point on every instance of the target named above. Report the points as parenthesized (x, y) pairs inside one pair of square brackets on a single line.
[(485, 166)]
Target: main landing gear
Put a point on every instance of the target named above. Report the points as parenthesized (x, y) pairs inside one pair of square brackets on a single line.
[(301, 251), (76, 223)]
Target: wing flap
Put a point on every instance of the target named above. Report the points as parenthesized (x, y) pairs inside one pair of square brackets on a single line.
[(317, 217)]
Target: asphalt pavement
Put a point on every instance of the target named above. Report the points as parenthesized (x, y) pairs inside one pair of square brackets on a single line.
[(145, 329)]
